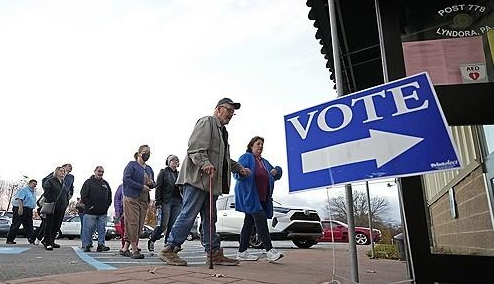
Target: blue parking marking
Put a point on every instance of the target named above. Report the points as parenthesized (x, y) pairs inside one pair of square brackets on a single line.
[(91, 261), (14, 250)]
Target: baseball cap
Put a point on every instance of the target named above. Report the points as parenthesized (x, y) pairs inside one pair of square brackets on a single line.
[(228, 101)]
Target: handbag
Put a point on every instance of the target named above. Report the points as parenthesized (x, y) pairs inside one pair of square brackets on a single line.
[(47, 208)]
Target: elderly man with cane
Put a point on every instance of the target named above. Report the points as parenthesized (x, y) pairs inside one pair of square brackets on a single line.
[(205, 174)]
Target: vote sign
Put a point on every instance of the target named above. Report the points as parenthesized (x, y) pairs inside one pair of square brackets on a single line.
[(393, 130)]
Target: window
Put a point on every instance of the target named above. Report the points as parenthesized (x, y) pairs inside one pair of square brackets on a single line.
[(454, 43)]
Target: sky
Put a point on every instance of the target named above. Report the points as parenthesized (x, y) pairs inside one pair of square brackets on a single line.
[(88, 82)]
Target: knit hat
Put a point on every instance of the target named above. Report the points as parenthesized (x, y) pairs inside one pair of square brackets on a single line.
[(170, 158)]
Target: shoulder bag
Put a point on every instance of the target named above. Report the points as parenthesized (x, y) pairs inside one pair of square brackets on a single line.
[(48, 207)]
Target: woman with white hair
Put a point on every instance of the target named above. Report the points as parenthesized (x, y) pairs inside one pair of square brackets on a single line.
[(168, 200)]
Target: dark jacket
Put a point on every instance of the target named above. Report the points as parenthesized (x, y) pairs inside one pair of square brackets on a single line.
[(52, 187), (96, 196), (68, 188), (165, 186)]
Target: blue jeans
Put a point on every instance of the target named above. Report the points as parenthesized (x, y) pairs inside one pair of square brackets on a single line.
[(169, 213), (92, 223), (195, 201)]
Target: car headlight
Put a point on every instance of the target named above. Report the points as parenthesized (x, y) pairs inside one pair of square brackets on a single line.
[(283, 210)]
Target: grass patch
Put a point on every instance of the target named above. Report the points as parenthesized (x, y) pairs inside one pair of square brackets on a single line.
[(384, 251)]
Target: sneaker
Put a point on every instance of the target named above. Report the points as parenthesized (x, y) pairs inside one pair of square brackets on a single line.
[(101, 248), (246, 256), (171, 257), (220, 259), (126, 253), (137, 255), (10, 242), (48, 247), (273, 255), (87, 249), (55, 245), (150, 245), (37, 242)]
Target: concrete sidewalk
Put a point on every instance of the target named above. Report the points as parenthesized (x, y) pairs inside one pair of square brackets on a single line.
[(298, 267)]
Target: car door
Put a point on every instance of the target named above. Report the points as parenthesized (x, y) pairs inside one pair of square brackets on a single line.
[(71, 227), (336, 235), (231, 220)]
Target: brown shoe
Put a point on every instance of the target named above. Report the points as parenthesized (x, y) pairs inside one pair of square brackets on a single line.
[(171, 257), (220, 259)]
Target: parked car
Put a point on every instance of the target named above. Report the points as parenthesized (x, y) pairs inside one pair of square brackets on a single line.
[(10, 215), (145, 233), (340, 233), (5, 223), (71, 228), (300, 225)]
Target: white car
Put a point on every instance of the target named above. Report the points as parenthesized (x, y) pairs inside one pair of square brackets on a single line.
[(302, 226), (71, 228)]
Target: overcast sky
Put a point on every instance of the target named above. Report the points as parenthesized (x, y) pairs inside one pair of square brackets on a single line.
[(87, 82)]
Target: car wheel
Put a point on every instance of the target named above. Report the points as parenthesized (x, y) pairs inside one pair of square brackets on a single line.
[(190, 237), (95, 236), (255, 241), (304, 243), (202, 241), (361, 239)]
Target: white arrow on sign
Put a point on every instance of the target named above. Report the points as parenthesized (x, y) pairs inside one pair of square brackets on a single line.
[(380, 146)]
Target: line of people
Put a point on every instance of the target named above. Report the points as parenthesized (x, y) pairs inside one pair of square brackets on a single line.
[(180, 195)]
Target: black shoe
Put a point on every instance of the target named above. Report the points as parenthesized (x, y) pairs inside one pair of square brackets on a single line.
[(87, 249), (10, 242), (126, 253), (48, 247), (101, 248), (137, 255), (55, 245)]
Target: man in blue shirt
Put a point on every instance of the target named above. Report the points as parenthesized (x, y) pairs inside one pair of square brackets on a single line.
[(23, 206)]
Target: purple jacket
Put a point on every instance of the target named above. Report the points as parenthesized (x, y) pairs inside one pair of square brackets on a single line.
[(118, 201)]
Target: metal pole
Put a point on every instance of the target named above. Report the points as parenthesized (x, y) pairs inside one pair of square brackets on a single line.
[(397, 181), (373, 251), (352, 246), (381, 42), (409, 261)]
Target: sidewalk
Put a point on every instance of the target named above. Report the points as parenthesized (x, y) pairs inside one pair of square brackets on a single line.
[(298, 267)]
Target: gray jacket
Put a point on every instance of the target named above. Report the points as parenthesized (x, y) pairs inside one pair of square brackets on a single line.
[(206, 147)]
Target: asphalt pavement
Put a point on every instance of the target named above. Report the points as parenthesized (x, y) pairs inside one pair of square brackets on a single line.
[(325, 262)]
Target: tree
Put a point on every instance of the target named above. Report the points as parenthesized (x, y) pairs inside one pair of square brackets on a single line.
[(338, 209), (7, 191)]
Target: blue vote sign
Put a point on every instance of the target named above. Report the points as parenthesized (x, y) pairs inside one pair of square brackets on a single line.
[(392, 130)]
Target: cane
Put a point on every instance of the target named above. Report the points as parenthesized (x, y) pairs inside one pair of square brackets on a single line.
[(211, 221)]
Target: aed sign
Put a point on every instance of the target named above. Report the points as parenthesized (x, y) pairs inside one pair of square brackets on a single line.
[(392, 130)]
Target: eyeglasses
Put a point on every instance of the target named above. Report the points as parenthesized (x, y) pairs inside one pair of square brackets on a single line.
[(230, 110), (100, 171)]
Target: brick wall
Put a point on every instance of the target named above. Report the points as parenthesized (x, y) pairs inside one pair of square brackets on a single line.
[(471, 231)]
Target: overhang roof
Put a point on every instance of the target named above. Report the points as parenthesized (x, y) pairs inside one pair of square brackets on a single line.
[(359, 41)]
